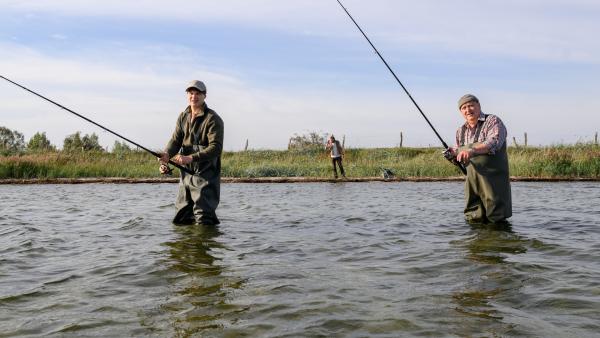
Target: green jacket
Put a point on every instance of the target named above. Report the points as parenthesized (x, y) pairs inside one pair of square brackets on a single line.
[(201, 138)]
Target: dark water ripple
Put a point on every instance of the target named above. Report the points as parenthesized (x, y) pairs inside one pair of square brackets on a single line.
[(298, 260)]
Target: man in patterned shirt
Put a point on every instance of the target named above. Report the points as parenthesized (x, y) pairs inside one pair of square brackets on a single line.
[(481, 146)]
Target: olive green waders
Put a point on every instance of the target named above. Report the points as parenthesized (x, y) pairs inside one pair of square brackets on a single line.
[(199, 194), (487, 187)]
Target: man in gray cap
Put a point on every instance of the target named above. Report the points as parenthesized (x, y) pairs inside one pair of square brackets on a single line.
[(481, 147), (197, 144)]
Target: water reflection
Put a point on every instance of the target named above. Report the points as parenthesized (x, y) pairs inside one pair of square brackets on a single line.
[(490, 280), (191, 252), (493, 243), (200, 300)]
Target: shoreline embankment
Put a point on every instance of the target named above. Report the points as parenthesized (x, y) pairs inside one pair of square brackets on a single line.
[(226, 180)]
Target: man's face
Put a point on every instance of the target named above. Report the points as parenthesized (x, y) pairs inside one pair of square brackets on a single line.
[(471, 111), (195, 97)]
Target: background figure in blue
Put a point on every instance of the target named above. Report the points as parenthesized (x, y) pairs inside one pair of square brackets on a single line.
[(197, 144), (337, 153), (481, 146)]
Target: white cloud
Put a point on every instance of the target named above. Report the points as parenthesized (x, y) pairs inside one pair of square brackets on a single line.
[(143, 106), (555, 30)]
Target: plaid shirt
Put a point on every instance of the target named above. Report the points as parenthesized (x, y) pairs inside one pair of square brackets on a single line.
[(492, 133)]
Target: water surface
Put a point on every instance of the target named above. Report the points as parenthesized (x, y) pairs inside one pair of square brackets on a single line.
[(294, 260)]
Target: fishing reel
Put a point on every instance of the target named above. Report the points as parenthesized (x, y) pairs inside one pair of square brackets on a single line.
[(449, 155), (165, 170)]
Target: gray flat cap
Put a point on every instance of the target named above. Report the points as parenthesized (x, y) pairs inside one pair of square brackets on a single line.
[(199, 85), (467, 98)]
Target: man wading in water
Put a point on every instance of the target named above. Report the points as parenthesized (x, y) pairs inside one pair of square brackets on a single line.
[(197, 143), (481, 146)]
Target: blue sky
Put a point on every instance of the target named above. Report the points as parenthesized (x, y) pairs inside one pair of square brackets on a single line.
[(278, 68)]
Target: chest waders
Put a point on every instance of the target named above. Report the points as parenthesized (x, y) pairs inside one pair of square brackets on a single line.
[(487, 187), (199, 194)]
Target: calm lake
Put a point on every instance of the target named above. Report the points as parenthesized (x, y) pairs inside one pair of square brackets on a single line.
[(298, 260)]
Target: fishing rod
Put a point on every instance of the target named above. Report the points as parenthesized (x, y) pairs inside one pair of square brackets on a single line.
[(455, 162), (99, 125)]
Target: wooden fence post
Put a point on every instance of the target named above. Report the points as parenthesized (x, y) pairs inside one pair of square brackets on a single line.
[(525, 140), (246, 146), (401, 139)]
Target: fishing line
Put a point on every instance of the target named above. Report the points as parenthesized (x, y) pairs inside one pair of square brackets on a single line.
[(99, 125), (458, 164)]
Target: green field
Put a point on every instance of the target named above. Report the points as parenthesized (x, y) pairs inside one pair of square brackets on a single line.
[(561, 161)]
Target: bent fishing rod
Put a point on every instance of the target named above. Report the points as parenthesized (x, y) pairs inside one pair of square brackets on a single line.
[(99, 125), (455, 162)]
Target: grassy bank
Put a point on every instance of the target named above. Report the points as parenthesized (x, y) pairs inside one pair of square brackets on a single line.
[(573, 161)]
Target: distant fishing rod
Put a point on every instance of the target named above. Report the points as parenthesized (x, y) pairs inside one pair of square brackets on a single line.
[(460, 165), (99, 125)]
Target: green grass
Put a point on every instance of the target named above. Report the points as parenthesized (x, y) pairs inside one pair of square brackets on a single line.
[(75, 165), (560, 161), (582, 160)]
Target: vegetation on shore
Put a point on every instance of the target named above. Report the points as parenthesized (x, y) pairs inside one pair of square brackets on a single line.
[(564, 161), (83, 157)]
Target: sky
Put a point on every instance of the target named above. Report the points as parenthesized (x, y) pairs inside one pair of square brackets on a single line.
[(278, 68)]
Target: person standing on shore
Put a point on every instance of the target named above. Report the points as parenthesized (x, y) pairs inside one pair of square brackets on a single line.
[(337, 154), (197, 144), (481, 147)]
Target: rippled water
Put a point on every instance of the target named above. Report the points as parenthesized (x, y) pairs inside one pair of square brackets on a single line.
[(294, 260)]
